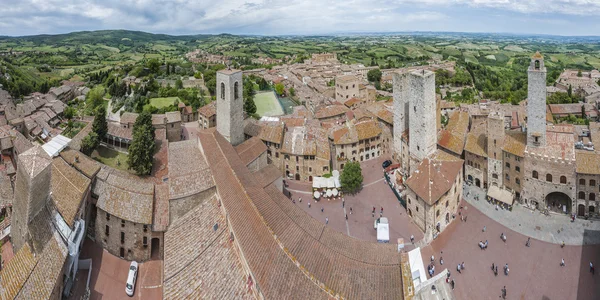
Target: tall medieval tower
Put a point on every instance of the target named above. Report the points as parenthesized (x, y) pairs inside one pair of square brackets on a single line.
[(230, 105), (495, 140), (536, 102), (401, 116), (32, 190), (422, 122)]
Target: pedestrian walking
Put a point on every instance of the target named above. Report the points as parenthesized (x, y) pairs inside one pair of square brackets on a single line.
[(562, 245), (562, 262), (300, 199), (441, 260), (350, 210), (326, 220), (293, 200), (412, 238), (528, 242), (308, 204), (462, 266), (466, 218), (343, 202), (591, 268), (462, 218), (484, 228), (458, 268), (346, 217), (504, 292), (322, 209), (496, 271), (452, 284)]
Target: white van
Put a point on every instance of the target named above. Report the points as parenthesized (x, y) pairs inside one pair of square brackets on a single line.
[(383, 230), (131, 277)]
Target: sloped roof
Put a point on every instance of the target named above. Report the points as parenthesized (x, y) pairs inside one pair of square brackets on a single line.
[(209, 109), (188, 170), (173, 117), (81, 162), (34, 161), (298, 142), (330, 111), (515, 143), (453, 137), (587, 162), (15, 273), (68, 189), (476, 144), (128, 118), (433, 178), (250, 149)]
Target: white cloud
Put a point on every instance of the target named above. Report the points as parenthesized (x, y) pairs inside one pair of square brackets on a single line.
[(262, 16)]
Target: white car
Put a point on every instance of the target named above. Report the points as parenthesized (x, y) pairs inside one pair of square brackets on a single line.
[(382, 220), (131, 277)]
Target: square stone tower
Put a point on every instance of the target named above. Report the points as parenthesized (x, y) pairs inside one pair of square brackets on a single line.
[(230, 105), (495, 141), (401, 115), (536, 102), (422, 121), (32, 190)]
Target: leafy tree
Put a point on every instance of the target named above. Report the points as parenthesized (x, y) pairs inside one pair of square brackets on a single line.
[(69, 112), (263, 85), (373, 63), (351, 177), (141, 150), (89, 143), (279, 89), (374, 75), (179, 84), (100, 127), (292, 92), (570, 91), (153, 65), (249, 105), (579, 73), (94, 97), (198, 75)]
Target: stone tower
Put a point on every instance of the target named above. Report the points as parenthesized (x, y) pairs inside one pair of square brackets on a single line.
[(230, 105), (495, 140), (32, 190), (401, 115), (422, 122), (536, 102)]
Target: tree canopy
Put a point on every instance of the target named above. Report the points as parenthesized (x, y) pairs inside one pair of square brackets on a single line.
[(351, 178), (100, 127), (279, 89), (141, 150), (249, 105), (374, 75)]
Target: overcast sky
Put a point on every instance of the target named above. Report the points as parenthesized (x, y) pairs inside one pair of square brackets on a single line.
[(276, 17)]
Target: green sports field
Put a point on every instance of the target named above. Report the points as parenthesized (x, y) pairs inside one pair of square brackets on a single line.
[(163, 102), (267, 104)]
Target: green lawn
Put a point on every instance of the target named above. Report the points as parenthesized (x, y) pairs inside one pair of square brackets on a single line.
[(163, 102), (110, 157), (267, 104)]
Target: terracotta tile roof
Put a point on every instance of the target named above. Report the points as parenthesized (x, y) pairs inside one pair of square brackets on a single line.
[(126, 197), (345, 78), (34, 161), (268, 175), (128, 118), (202, 263), (330, 111), (68, 189), (386, 116), (209, 109), (15, 273), (118, 131), (353, 132), (515, 142), (251, 149), (81, 162), (20, 142), (453, 137), (188, 170), (587, 162), (476, 144), (283, 244), (266, 131), (560, 140), (173, 117), (293, 121), (161, 207), (47, 272), (367, 129), (297, 141), (351, 102), (433, 179), (158, 120), (75, 142)]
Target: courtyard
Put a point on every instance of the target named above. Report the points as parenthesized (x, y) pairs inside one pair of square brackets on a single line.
[(111, 157)]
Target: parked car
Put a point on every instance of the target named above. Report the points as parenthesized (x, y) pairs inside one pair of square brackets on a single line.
[(386, 163), (131, 277), (383, 230)]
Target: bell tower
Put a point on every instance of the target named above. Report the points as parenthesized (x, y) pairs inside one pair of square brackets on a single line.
[(536, 102), (230, 105)]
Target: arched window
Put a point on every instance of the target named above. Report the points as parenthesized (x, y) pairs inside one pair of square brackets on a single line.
[(581, 181), (581, 195), (222, 90), (549, 177), (592, 197), (537, 64), (592, 182), (563, 179), (518, 181), (437, 214), (495, 176), (534, 174), (235, 91)]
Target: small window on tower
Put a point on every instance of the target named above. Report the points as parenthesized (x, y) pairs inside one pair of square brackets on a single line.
[(235, 91), (222, 90), (537, 64)]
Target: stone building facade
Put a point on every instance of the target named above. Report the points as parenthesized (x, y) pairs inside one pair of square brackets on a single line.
[(173, 126), (207, 116), (588, 183), (359, 141), (422, 108), (305, 153), (230, 104), (401, 115), (346, 87), (514, 162), (495, 141), (123, 238)]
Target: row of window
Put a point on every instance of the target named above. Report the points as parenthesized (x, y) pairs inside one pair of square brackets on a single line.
[(517, 168), (107, 233), (591, 197), (363, 141), (123, 222), (236, 93)]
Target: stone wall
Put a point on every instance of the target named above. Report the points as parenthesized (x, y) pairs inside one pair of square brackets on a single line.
[(305, 167), (259, 163), (133, 245), (514, 168), (476, 167), (230, 113), (401, 116), (362, 151), (536, 190), (495, 142), (590, 191), (174, 132), (536, 104), (422, 129)]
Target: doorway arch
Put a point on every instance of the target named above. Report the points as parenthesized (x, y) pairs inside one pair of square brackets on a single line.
[(477, 182), (581, 210), (297, 176), (559, 202)]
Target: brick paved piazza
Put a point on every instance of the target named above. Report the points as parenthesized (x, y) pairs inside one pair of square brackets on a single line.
[(535, 272)]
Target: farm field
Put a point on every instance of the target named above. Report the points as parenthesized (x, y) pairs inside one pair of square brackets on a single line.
[(267, 104)]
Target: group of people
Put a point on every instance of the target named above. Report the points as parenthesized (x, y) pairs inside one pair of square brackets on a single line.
[(483, 245), (380, 212)]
